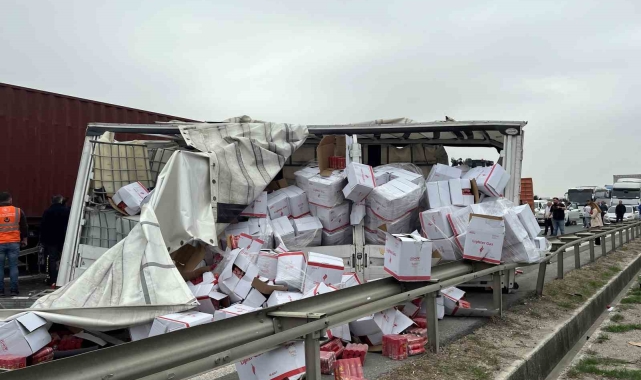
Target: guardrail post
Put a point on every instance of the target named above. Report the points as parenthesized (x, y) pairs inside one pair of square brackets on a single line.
[(620, 238), (627, 234), (604, 250), (312, 356), (577, 257), (540, 281), (498, 292), (614, 241), (592, 251), (432, 322), (559, 264)]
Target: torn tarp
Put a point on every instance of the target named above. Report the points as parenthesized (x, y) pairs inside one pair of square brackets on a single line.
[(244, 157)]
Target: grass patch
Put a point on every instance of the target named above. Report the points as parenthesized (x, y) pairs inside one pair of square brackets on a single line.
[(621, 328), (602, 338), (633, 297), (591, 365), (617, 317)]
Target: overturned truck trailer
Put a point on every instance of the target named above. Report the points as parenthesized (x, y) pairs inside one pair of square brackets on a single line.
[(105, 166)]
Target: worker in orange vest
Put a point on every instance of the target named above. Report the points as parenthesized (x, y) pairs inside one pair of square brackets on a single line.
[(13, 234)]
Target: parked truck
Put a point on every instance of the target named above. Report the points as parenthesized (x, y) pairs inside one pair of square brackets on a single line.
[(627, 190)]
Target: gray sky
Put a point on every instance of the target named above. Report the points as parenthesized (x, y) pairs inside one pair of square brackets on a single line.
[(569, 68)]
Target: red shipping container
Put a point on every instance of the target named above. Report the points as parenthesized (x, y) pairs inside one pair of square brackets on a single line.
[(327, 360), (420, 322), (347, 367), (43, 355), (12, 361)]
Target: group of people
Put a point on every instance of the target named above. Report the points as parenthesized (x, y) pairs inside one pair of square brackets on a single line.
[(14, 232), (593, 215)]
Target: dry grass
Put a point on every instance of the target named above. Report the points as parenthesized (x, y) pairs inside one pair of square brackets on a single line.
[(494, 346)]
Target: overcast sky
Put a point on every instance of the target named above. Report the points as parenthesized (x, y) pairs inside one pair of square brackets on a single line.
[(571, 69)]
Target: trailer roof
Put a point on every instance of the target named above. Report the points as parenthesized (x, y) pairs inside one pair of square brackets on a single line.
[(474, 133)]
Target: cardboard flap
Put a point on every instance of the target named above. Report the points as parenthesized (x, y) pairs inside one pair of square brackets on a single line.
[(188, 257), (327, 147), (267, 289), (31, 321), (475, 190)]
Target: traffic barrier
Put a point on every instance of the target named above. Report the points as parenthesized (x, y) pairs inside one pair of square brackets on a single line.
[(631, 229), (202, 348)]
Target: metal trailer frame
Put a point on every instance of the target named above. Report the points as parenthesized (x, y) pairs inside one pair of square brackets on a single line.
[(505, 136)]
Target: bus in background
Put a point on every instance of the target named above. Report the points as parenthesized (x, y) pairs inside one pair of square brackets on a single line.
[(627, 190), (583, 194)]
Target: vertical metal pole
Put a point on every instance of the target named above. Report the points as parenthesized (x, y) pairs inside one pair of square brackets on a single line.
[(614, 241), (604, 251), (591, 250), (577, 257), (559, 264), (540, 281), (432, 322), (312, 356), (497, 290), (620, 238), (627, 234)]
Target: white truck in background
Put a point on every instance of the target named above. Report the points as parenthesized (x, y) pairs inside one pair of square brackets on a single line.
[(627, 190)]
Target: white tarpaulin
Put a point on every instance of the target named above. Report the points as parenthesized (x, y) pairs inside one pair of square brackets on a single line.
[(136, 280)]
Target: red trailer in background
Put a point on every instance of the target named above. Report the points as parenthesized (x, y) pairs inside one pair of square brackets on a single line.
[(527, 192)]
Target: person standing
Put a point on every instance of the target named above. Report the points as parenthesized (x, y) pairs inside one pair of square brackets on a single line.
[(587, 215), (604, 209), (620, 211), (558, 216), (52, 234), (547, 219), (13, 235), (595, 215)]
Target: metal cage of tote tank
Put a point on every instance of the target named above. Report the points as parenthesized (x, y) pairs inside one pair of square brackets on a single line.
[(113, 164)]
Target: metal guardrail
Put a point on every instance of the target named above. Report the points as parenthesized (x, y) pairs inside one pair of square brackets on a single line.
[(632, 230), (199, 349)]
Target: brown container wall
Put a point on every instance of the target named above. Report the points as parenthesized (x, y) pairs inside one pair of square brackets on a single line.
[(42, 138), (527, 191)]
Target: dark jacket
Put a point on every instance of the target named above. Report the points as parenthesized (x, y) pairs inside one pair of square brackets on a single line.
[(620, 210), (558, 212), (24, 226), (53, 226)]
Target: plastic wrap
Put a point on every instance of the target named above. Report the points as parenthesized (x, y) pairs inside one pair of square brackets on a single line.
[(332, 218), (435, 223), (393, 199), (337, 237), (262, 229), (397, 226), (308, 231), (267, 263), (323, 268), (448, 249), (303, 175), (376, 236), (327, 191), (290, 271)]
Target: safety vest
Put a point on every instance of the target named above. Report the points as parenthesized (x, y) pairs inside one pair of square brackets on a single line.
[(9, 224)]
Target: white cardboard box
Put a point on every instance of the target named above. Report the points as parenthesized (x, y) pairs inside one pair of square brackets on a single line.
[(397, 226), (327, 191), (360, 182), (129, 197), (254, 299), (323, 269), (278, 205), (435, 224), (348, 280), (267, 263), (298, 205), (444, 193), (283, 227), (279, 297), (406, 175), (333, 218), (232, 311), (409, 258), (258, 208), (393, 199), (309, 228), (433, 197), (303, 175), (23, 335), (250, 243), (484, 240), (291, 270), (490, 180), (528, 220), (237, 288), (540, 242), (372, 328), (448, 249), (285, 362), (139, 332), (208, 297), (440, 172), (357, 214), (381, 177), (178, 321), (318, 289), (461, 192), (337, 237)]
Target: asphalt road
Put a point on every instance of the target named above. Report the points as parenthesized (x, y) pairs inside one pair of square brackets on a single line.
[(451, 328)]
